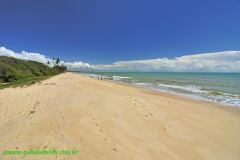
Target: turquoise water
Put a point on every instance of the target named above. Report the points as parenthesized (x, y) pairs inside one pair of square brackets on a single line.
[(218, 87)]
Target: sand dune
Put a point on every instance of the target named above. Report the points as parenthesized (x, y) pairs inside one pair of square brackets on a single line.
[(108, 121)]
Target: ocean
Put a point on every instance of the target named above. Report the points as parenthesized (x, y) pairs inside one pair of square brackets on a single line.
[(222, 88)]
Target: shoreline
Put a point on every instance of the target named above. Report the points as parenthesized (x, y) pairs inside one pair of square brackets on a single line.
[(106, 120), (162, 92)]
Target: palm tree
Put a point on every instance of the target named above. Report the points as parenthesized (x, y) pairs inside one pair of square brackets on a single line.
[(57, 61)]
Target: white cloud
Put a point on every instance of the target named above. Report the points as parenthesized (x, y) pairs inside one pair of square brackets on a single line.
[(226, 61), (42, 59), (78, 66)]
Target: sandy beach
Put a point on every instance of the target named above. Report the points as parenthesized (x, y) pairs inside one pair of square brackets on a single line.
[(109, 121)]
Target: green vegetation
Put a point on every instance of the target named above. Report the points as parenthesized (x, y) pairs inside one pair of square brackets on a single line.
[(15, 72)]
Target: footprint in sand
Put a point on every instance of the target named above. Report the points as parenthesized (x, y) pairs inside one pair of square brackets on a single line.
[(31, 112), (35, 107), (163, 129), (61, 115), (114, 149), (37, 102)]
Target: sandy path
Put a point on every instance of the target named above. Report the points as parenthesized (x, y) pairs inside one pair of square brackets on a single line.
[(108, 121)]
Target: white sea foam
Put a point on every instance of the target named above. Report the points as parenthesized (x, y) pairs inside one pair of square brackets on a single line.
[(194, 92), (119, 78), (189, 88), (191, 91), (143, 84)]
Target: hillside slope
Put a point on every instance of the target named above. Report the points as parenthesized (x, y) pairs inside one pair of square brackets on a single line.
[(12, 69)]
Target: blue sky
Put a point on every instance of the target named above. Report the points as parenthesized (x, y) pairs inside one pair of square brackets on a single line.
[(106, 31)]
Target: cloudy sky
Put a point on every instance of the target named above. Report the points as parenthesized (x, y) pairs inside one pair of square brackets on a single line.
[(107, 31), (124, 35), (226, 61)]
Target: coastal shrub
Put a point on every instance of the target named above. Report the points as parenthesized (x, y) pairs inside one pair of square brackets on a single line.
[(12, 69), (60, 68), (6, 77)]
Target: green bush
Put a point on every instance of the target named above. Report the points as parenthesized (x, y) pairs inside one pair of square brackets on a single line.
[(12, 69)]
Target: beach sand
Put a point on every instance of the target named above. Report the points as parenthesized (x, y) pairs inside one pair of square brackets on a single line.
[(104, 120)]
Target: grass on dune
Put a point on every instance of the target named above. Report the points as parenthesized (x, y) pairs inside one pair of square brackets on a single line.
[(15, 72), (24, 82)]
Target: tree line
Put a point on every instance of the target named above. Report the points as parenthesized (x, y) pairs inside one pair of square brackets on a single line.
[(59, 67)]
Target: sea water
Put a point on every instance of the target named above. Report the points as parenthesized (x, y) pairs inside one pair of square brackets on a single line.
[(218, 87)]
